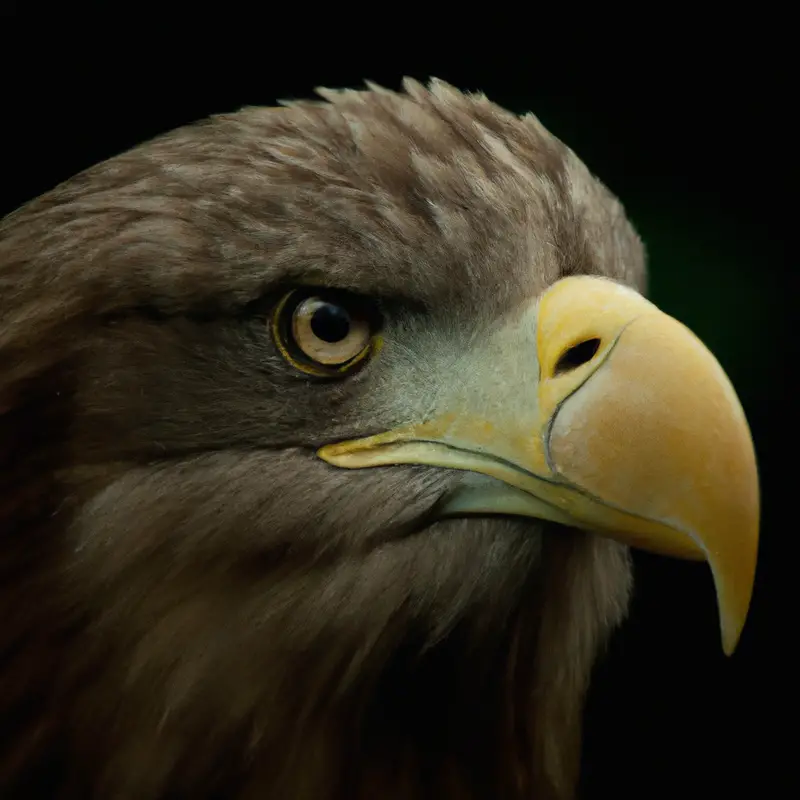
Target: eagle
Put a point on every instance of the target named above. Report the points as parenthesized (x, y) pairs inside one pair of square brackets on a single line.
[(325, 431)]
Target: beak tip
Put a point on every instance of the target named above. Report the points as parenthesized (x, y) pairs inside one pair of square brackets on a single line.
[(732, 624), (729, 642)]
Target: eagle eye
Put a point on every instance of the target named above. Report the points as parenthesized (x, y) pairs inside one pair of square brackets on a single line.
[(323, 332)]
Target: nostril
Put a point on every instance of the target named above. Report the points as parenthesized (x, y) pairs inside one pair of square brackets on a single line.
[(577, 355)]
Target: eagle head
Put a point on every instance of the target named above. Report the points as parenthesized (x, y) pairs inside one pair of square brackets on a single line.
[(324, 432)]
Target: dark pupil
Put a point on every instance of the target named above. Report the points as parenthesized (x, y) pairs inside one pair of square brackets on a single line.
[(330, 323)]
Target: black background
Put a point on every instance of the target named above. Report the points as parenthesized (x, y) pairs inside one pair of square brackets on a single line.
[(690, 127)]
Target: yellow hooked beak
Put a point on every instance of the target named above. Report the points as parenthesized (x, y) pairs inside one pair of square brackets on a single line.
[(596, 410)]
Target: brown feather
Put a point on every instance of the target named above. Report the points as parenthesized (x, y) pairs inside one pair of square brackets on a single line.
[(193, 604)]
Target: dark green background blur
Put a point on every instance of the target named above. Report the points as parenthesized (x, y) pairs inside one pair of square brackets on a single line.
[(693, 135)]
